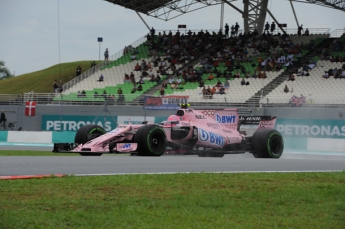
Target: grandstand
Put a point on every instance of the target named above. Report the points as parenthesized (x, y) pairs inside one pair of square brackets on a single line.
[(300, 49)]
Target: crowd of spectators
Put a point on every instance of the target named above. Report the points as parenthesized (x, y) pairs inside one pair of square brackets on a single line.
[(228, 57)]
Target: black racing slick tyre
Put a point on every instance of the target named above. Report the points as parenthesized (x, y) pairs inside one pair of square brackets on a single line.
[(151, 140), (87, 133), (267, 143)]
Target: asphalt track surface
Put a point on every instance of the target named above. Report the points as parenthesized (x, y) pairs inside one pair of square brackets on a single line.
[(121, 164)]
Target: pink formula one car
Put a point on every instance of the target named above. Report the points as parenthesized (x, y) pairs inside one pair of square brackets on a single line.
[(206, 133)]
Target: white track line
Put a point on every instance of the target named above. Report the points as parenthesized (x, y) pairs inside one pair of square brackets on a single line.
[(163, 173)]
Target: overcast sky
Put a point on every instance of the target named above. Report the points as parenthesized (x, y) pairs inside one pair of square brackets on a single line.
[(29, 38)]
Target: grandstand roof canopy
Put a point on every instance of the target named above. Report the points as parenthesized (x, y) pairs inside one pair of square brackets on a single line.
[(169, 9)]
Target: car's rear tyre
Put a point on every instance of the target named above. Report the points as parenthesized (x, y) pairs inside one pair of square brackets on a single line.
[(87, 133), (151, 140), (267, 143)]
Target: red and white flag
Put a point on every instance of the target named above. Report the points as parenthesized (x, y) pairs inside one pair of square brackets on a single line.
[(30, 108)]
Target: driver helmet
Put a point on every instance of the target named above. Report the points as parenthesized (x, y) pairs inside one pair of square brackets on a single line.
[(174, 118)]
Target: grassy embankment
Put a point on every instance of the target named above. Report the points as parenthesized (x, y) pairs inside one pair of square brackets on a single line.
[(200, 200), (42, 81)]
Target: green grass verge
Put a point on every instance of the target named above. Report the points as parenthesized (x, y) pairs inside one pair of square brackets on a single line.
[(42, 81), (200, 200), (43, 153)]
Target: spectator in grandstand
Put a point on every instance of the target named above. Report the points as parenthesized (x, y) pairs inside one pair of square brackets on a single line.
[(286, 89), (273, 27), (237, 26), (291, 77), (158, 78), (222, 91), (243, 82), (219, 84), (93, 66), (83, 93), (178, 81), (95, 95), (336, 73), (173, 85), (119, 91), (303, 72), (104, 94), (209, 93), (127, 78), (306, 32), (226, 30), (141, 80), (342, 74), (312, 65), (300, 30), (232, 32), (152, 31), (125, 50), (137, 67), (133, 57), (204, 92), (267, 27), (55, 86), (78, 72), (79, 94), (106, 55), (162, 91), (101, 78), (164, 84), (152, 78), (325, 75), (210, 77), (170, 80), (201, 83), (213, 90), (262, 75), (134, 88), (120, 97)]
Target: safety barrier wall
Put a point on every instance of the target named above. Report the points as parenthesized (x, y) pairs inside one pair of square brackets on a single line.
[(37, 137), (50, 137)]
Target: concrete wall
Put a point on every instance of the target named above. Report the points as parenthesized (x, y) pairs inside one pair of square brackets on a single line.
[(34, 123)]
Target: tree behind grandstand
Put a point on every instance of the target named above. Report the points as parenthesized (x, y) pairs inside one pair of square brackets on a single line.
[(4, 72)]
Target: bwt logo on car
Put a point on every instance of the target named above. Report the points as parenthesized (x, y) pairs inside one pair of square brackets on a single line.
[(126, 146), (213, 138), (225, 119)]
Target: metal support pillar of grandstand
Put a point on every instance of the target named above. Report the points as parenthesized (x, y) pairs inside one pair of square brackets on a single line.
[(148, 27), (221, 16), (254, 15), (106, 113), (268, 11), (294, 13)]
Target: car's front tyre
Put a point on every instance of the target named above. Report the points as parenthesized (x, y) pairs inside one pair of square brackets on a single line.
[(87, 133), (151, 140)]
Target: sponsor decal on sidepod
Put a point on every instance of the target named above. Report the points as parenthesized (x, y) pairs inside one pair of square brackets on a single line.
[(212, 138)]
